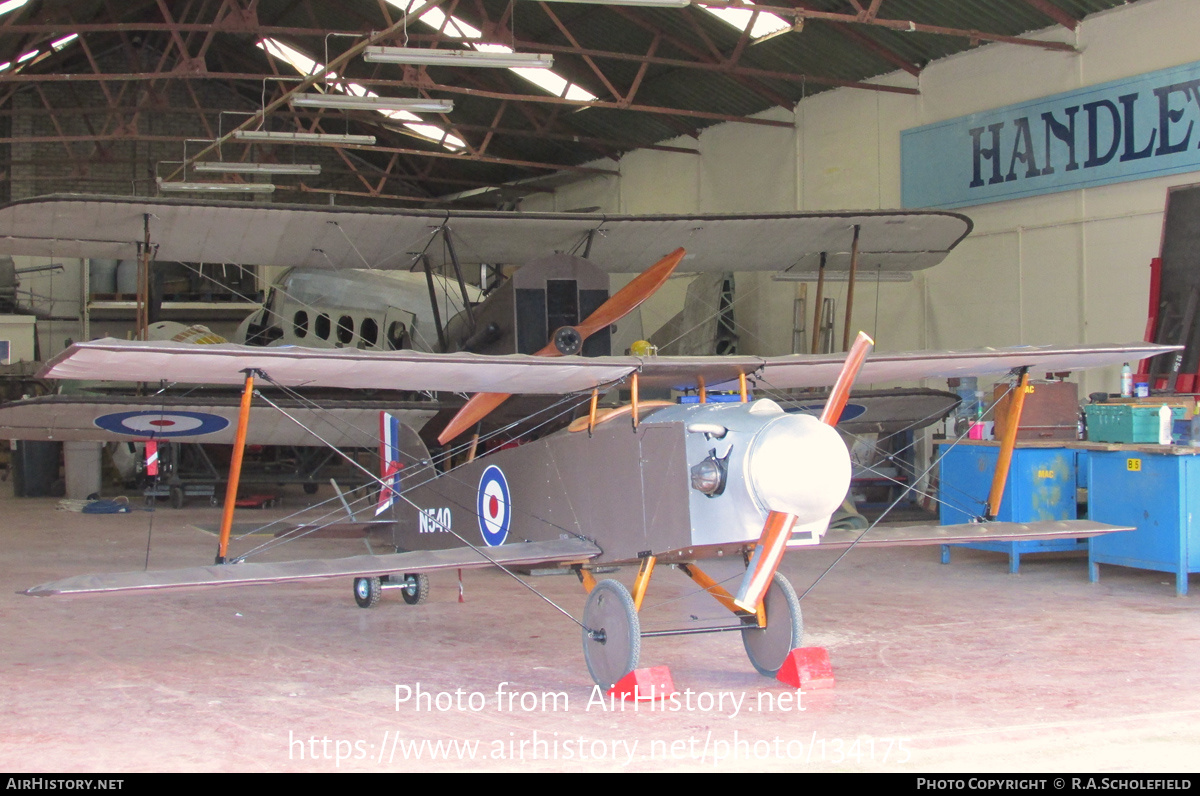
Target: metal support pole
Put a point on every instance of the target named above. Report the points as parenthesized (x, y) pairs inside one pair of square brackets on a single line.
[(1007, 445), (850, 290), (143, 294), (235, 467), (816, 341)]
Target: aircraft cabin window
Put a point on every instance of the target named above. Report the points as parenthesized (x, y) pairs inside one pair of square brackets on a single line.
[(300, 323), (369, 331), (397, 334), (345, 330), (322, 326)]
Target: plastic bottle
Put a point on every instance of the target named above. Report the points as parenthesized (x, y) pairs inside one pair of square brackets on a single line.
[(1126, 381), (1164, 425)]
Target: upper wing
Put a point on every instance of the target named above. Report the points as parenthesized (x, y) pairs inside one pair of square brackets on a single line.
[(316, 236), (122, 360)]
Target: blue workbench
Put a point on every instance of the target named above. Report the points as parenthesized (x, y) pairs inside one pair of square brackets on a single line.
[(1156, 489), (1041, 485)]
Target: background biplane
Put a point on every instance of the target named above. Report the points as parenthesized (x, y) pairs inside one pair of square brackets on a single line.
[(397, 279)]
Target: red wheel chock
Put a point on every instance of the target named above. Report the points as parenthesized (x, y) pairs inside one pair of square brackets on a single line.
[(807, 667), (645, 684)]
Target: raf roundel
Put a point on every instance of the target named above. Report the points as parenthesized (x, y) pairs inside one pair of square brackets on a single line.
[(157, 425), (494, 507)]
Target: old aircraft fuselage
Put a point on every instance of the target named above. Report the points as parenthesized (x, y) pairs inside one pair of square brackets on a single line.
[(689, 482)]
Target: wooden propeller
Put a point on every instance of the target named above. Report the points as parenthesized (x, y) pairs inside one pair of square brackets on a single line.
[(569, 339), (768, 551)]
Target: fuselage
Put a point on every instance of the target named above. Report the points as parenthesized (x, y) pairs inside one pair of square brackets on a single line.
[(690, 482), (372, 310)]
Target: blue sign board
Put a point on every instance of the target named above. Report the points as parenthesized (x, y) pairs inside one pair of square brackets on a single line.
[(1131, 129)]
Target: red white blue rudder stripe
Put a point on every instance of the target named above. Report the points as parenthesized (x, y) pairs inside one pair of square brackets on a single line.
[(389, 461)]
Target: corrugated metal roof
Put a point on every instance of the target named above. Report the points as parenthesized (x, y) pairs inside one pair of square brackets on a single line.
[(663, 73)]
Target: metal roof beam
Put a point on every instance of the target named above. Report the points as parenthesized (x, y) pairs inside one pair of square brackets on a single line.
[(908, 26), (524, 98), (712, 66), (1055, 13)]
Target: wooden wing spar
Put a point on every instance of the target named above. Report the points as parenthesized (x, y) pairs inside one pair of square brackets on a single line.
[(125, 360)]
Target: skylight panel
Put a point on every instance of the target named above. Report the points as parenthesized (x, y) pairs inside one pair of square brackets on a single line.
[(547, 80), (307, 66), (764, 24)]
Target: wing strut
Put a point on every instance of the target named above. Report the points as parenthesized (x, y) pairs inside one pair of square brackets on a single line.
[(235, 467), (852, 276), (816, 341), (462, 285), (433, 303), (1004, 460)]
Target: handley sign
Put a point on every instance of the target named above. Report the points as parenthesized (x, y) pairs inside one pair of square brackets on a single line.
[(1131, 129)]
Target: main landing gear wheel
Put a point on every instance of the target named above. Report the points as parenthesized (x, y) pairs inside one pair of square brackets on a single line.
[(416, 588), (612, 634), (367, 592), (768, 647)]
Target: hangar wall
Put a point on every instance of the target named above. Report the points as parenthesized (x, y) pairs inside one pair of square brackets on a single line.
[(1070, 267)]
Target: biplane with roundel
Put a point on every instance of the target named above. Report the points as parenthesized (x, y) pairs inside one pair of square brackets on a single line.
[(636, 485)]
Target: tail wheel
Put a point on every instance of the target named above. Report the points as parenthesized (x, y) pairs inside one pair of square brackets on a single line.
[(768, 647), (416, 588), (367, 592), (612, 633)]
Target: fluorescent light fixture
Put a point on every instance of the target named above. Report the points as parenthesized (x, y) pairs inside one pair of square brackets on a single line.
[(864, 274), (63, 42), (651, 3), (11, 5), (347, 102), (223, 187), (280, 137), (430, 57), (256, 168)]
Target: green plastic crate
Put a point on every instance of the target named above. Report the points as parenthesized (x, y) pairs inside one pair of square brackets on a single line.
[(1126, 422)]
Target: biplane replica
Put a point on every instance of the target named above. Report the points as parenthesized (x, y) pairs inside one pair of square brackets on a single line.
[(638, 484)]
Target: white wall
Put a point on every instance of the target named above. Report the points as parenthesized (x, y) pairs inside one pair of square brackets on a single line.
[(1070, 267)]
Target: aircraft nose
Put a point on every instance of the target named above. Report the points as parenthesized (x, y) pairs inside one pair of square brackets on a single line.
[(799, 465)]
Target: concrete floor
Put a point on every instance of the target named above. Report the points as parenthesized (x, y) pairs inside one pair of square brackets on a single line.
[(939, 668)]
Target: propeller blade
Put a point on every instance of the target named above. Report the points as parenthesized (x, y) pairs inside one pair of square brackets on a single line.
[(474, 410), (627, 299), (767, 555), (620, 304), (841, 388), (768, 551)]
